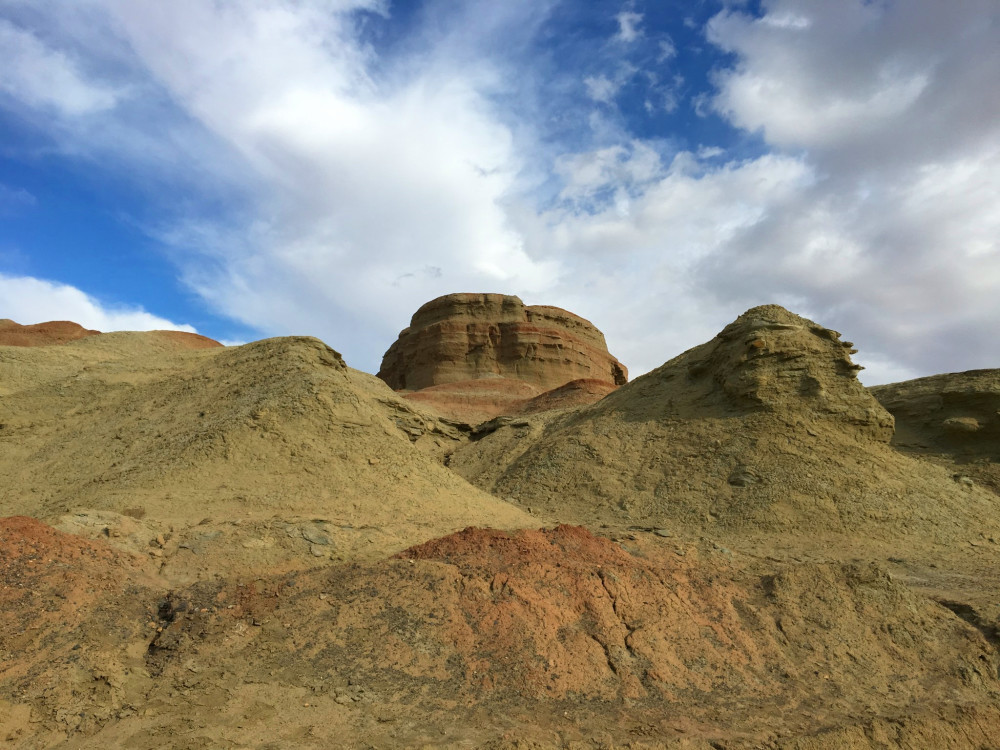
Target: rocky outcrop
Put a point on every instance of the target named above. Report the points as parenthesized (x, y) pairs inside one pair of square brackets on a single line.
[(58, 332), (765, 426), (957, 413), (951, 419), (462, 337), (41, 334), (773, 360)]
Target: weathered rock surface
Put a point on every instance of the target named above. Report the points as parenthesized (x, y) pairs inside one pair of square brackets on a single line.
[(764, 427), (956, 413), (58, 332), (462, 337), (952, 419), (41, 334)]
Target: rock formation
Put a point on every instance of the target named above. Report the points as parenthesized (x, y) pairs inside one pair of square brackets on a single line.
[(957, 413), (765, 426), (41, 334), (951, 419), (472, 357), (462, 337), (257, 546), (57, 332)]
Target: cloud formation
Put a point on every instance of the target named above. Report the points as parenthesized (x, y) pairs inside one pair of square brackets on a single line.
[(861, 186), (898, 240), (27, 300), (38, 76)]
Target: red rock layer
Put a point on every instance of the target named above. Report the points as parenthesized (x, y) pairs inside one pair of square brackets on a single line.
[(41, 334), (462, 337), (63, 332)]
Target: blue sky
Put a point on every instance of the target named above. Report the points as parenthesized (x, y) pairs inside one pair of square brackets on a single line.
[(271, 167)]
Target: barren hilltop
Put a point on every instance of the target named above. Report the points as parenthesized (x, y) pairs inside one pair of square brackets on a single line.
[(498, 542)]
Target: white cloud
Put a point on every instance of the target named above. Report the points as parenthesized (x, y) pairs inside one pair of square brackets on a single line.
[(41, 77), (28, 300), (899, 240), (668, 51), (633, 272), (363, 184), (375, 183), (629, 26), (602, 89)]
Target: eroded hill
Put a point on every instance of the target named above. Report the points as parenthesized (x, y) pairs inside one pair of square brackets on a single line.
[(262, 455), (764, 428), (259, 547)]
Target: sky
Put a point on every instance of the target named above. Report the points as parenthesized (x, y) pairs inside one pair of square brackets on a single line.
[(255, 168)]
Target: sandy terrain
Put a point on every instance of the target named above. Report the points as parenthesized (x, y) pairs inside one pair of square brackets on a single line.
[(260, 547)]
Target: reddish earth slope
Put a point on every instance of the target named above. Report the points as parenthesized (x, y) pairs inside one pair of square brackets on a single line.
[(63, 331), (41, 334)]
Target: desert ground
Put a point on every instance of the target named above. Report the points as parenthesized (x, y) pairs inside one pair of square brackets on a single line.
[(498, 542)]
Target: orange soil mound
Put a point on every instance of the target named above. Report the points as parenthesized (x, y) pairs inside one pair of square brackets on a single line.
[(71, 637), (63, 331), (563, 612), (483, 631), (41, 334)]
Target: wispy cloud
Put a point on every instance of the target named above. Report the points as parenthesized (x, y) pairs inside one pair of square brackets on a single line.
[(15, 200), (41, 77), (351, 169), (629, 26)]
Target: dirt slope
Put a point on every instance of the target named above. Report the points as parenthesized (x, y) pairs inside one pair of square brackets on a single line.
[(763, 428), (254, 455), (490, 639), (73, 616)]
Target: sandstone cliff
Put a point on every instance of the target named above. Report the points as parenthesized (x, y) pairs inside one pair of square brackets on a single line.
[(951, 419), (462, 337), (957, 413)]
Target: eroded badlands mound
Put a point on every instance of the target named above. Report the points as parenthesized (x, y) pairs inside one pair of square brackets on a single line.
[(258, 546), (484, 638), (474, 356), (273, 451), (765, 426), (63, 331), (41, 334)]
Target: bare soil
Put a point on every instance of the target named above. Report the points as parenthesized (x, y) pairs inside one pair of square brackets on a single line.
[(260, 547)]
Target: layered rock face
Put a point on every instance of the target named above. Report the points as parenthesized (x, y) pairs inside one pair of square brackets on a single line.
[(951, 419), (462, 337)]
